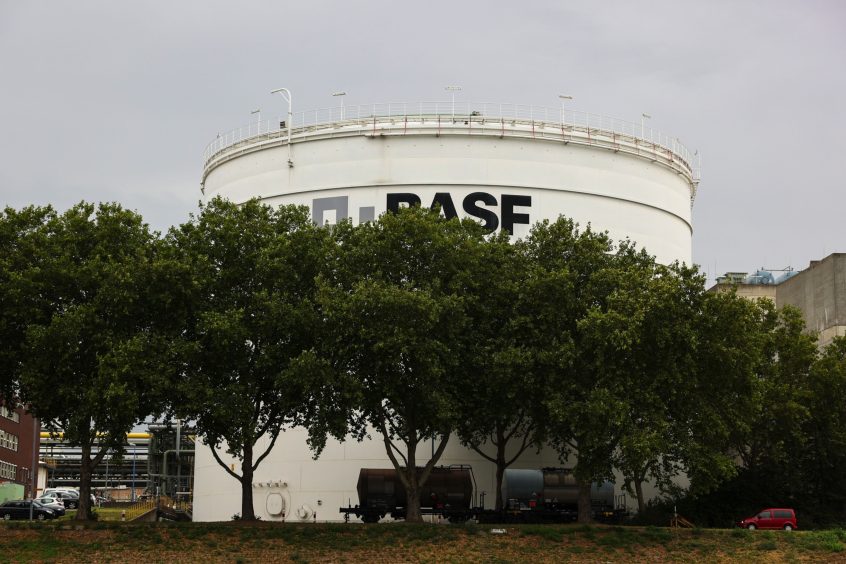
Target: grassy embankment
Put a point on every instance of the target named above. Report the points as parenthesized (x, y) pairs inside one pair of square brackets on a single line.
[(64, 541)]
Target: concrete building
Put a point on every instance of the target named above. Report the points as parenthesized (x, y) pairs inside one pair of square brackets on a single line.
[(18, 453), (819, 292)]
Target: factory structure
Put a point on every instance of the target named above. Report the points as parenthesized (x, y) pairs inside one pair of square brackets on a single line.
[(507, 166), (819, 292)]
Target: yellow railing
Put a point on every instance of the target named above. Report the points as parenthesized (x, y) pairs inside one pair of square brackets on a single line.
[(135, 510)]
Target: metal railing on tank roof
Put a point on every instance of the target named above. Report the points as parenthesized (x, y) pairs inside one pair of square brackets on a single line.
[(456, 112)]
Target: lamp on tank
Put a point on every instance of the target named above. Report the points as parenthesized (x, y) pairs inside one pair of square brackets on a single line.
[(341, 96), (643, 117), (452, 90), (563, 98), (286, 94), (257, 111)]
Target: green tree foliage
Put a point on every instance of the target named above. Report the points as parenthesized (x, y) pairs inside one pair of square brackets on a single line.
[(758, 365), (19, 303), (772, 427), (397, 299), (824, 450), (643, 340), (582, 411), (718, 392), (503, 399), (94, 356), (249, 323)]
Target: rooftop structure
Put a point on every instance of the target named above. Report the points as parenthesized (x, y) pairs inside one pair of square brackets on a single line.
[(819, 292)]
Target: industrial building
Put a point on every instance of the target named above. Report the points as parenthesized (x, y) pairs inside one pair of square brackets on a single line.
[(509, 166), (158, 461), (819, 292)]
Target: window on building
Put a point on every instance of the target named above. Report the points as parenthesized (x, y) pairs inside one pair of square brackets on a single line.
[(8, 471), (8, 440), (9, 413)]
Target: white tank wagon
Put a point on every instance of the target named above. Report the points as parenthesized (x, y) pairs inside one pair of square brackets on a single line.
[(507, 165)]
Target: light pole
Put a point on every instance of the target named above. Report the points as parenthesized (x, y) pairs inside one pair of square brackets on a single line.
[(134, 457), (286, 94), (452, 90), (643, 117), (36, 439), (258, 122), (563, 99), (341, 96)]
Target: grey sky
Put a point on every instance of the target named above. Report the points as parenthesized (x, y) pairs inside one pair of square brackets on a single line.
[(116, 100)]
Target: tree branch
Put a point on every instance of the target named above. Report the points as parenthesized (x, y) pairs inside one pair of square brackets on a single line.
[(266, 452), (224, 466), (483, 455), (522, 449), (432, 461), (389, 446)]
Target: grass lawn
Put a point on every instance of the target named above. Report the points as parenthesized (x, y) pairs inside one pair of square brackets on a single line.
[(104, 541)]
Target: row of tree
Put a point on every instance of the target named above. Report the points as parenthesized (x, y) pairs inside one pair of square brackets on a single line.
[(250, 319)]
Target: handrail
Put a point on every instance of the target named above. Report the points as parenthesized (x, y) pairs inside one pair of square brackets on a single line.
[(449, 115), (139, 508)]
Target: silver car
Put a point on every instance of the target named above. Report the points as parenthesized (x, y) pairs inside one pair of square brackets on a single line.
[(53, 503)]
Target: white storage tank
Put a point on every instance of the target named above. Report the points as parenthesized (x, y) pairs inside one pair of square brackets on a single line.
[(506, 165)]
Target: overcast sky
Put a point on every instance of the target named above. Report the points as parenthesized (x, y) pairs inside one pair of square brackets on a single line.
[(117, 100)]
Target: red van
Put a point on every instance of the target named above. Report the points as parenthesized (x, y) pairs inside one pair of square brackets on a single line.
[(772, 518)]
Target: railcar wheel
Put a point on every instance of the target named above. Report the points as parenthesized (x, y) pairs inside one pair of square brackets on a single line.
[(370, 518)]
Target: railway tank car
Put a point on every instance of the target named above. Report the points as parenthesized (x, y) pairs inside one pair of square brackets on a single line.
[(548, 495), (553, 493), (381, 492)]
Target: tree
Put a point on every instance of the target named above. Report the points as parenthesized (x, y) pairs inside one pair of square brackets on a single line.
[(94, 357), (582, 414), (824, 454), (249, 323), (502, 396), (647, 338), (19, 304), (772, 426), (716, 401), (396, 299)]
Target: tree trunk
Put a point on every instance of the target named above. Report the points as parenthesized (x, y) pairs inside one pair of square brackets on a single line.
[(83, 510), (412, 489), (585, 509), (500, 468), (641, 505), (248, 513), (412, 510)]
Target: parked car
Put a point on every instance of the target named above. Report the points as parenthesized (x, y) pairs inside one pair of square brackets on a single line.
[(70, 499), (772, 518), (51, 491), (20, 509), (52, 502)]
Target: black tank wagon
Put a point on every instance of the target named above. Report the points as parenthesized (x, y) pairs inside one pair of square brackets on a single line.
[(548, 495)]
